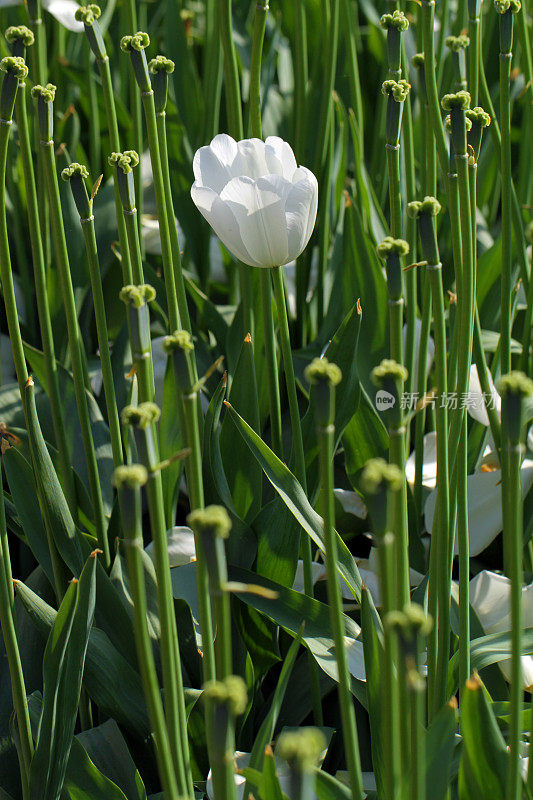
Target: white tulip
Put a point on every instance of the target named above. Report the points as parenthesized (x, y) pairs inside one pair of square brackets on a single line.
[(490, 597), (485, 520), (180, 546), (62, 10), (257, 200), (477, 402)]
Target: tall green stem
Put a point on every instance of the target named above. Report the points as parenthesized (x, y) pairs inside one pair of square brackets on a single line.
[(325, 376), (74, 333), (128, 481), (505, 169)]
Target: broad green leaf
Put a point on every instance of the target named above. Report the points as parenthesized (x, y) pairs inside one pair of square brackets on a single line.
[(441, 737), (64, 660), (483, 768), (109, 752), (364, 437), (290, 609), (108, 678), (329, 788), (21, 483), (294, 498)]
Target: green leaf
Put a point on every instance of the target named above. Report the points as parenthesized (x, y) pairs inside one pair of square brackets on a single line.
[(483, 768), (364, 437), (290, 609), (329, 788), (294, 498), (64, 659), (242, 470), (109, 752), (22, 485), (441, 737), (108, 678)]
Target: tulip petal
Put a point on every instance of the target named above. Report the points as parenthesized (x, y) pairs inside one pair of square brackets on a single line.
[(490, 597), (259, 208), (64, 11), (300, 212), (476, 406), (429, 463), (280, 159), (318, 572), (485, 519), (212, 164), (351, 503), (222, 220), (180, 546), (250, 161)]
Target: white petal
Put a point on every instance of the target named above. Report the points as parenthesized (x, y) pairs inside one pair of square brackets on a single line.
[(212, 164), (318, 572), (304, 174), (250, 160), (222, 220), (279, 157), (241, 761), (64, 11), (356, 659), (7, 3), (477, 402), (300, 212), (259, 208), (484, 506), (429, 463), (351, 503), (490, 597), (430, 350), (181, 549), (289, 272)]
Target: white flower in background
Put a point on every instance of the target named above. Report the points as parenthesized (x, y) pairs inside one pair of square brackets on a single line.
[(490, 597), (485, 519), (62, 10), (351, 503), (181, 549), (242, 760), (430, 351), (290, 282), (150, 234), (429, 463), (255, 197)]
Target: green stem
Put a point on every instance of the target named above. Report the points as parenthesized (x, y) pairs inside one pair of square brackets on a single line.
[(43, 309), (183, 311), (135, 108), (325, 434), (294, 411), (260, 18), (132, 526), (505, 168), (464, 560), (174, 700), (231, 72), (75, 343), (301, 78), (212, 70), (95, 140), (271, 364), (112, 124), (89, 236), (349, 11), (164, 228), (473, 59)]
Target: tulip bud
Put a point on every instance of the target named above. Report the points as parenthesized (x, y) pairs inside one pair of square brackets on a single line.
[(323, 377), (391, 250), (397, 92), (390, 377), (125, 163), (16, 70), (45, 96), (135, 45), (160, 67), (76, 175), (180, 346), (479, 119), (395, 24), (457, 45), (19, 37), (137, 299), (457, 104), (301, 749), (425, 211), (89, 16), (506, 9), (377, 480), (514, 388)]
